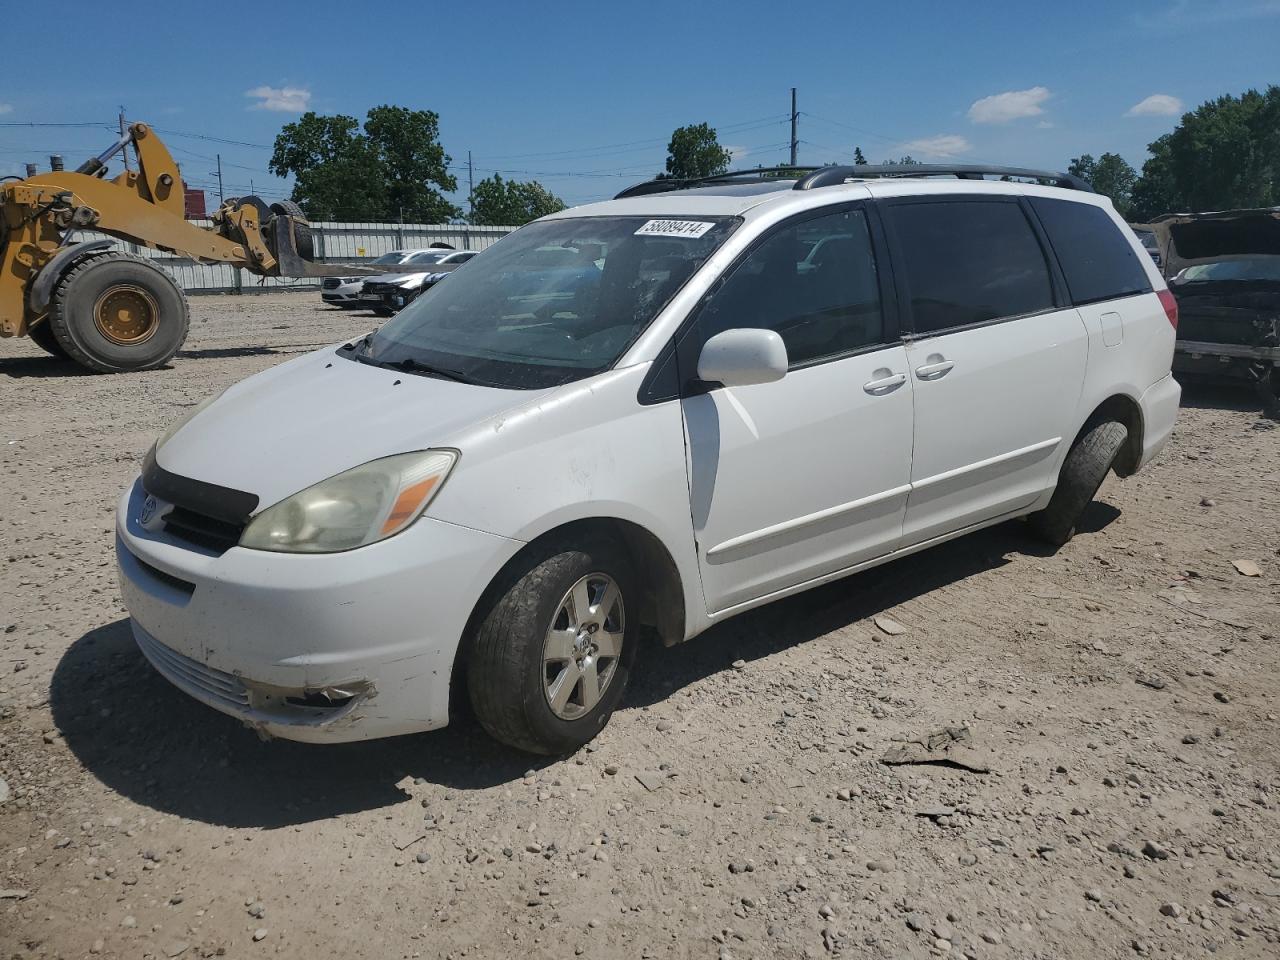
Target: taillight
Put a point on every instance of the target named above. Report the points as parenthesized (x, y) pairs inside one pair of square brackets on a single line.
[(1170, 307)]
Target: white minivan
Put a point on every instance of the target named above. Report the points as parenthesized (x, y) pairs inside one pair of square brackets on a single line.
[(635, 419)]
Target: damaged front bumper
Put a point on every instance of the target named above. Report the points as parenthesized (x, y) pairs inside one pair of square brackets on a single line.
[(261, 706), (320, 648)]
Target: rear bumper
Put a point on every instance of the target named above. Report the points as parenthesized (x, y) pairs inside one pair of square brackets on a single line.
[(1197, 348), (1159, 411), (323, 648)]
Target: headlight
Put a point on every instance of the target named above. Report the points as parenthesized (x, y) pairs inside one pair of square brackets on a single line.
[(183, 420), (362, 506)]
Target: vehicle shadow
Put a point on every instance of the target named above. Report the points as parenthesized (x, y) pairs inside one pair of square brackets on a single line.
[(217, 353), (1209, 395), (153, 744), (42, 367)]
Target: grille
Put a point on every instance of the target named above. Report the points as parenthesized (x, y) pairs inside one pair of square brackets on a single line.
[(186, 586), (190, 675), (330, 283), (377, 287), (202, 530)]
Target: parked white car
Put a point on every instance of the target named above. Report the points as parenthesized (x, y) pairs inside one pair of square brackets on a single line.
[(387, 293), (345, 291), (636, 419)]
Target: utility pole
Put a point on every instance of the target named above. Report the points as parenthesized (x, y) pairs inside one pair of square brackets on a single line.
[(794, 117), (471, 187), (125, 152), (221, 199), (252, 190)]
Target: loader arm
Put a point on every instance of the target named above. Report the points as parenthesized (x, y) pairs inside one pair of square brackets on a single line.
[(39, 216)]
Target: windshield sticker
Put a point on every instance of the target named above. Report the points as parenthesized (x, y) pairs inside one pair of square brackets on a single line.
[(675, 228)]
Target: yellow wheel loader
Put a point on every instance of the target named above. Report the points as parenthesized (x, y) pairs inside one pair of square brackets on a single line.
[(110, 310)]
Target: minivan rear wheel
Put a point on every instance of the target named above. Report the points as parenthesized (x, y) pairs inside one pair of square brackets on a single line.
[(1082, 474), (553, 651)]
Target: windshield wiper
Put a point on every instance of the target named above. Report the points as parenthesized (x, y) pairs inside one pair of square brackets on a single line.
[(417, 367), (410, 365)]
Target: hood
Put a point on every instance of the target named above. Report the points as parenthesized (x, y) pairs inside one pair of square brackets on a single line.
[(1195, 238), (414, 273), (294, 425)]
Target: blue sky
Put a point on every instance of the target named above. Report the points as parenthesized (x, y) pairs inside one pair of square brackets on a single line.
[(583, 96)]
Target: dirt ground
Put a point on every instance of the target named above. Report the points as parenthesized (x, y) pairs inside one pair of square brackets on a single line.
[(1123, 692)]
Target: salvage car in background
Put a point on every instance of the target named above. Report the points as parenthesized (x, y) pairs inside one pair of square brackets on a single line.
[(345, 291), (388, 292), (1147, 237), (1224, 270)]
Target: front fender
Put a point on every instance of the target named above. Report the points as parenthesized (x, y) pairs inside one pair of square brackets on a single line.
[(52, 272)]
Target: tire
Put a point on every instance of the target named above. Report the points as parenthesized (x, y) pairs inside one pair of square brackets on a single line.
[(512, 671), (127, 339), (42, 336), (1082, 474), (303, 238)]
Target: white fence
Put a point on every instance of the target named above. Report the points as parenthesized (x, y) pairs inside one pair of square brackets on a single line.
[(334, 242)]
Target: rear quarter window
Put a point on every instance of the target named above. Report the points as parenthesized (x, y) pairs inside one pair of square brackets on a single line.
[(1097, 260)]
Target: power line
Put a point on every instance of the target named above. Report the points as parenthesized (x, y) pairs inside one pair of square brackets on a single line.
[(32, 123), (212, 139)]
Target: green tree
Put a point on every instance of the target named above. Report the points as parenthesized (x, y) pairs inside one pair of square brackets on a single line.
[(695, 152), (1156, 191), (1226, 153), (1223, 155), (1110, 175), (384, 172), (907, 161), (858, 159), (499, 202), (408, 144)]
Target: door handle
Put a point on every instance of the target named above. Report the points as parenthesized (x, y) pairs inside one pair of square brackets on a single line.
[(936, 368), (885, 384)]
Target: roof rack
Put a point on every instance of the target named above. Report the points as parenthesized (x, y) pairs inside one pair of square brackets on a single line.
[(810, 178), (751, 175)]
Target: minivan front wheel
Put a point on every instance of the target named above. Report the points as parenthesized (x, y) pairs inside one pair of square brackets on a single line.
[(1086, 466), (553, 651)]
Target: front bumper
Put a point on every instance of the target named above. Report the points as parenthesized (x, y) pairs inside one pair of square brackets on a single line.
[(323, 648)]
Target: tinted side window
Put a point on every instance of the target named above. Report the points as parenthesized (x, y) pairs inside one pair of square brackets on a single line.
[(1096, 257), (969, 261), (813, 282)]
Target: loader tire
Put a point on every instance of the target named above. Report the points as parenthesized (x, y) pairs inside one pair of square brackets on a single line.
[(1086, 466), (42, 336), (118, 312), (301, 228)]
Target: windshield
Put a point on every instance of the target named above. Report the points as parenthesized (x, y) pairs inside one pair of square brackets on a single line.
[(1254, 268), (428, 257), (395, 256), (551, 303)]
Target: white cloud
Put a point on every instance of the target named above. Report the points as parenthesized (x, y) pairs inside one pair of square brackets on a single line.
[(943, 145), (1156, 105), (6, 108), (280, 99), (1181, 15), (1010, 105)]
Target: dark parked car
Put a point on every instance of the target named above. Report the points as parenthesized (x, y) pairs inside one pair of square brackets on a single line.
[(1224, 270)]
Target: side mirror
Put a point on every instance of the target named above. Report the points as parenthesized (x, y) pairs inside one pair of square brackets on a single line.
[(743, 356)]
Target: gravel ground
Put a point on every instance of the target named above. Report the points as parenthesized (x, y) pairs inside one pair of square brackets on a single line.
[(1122, 694)]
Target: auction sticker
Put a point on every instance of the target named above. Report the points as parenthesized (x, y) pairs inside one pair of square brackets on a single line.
[(675, 228)]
